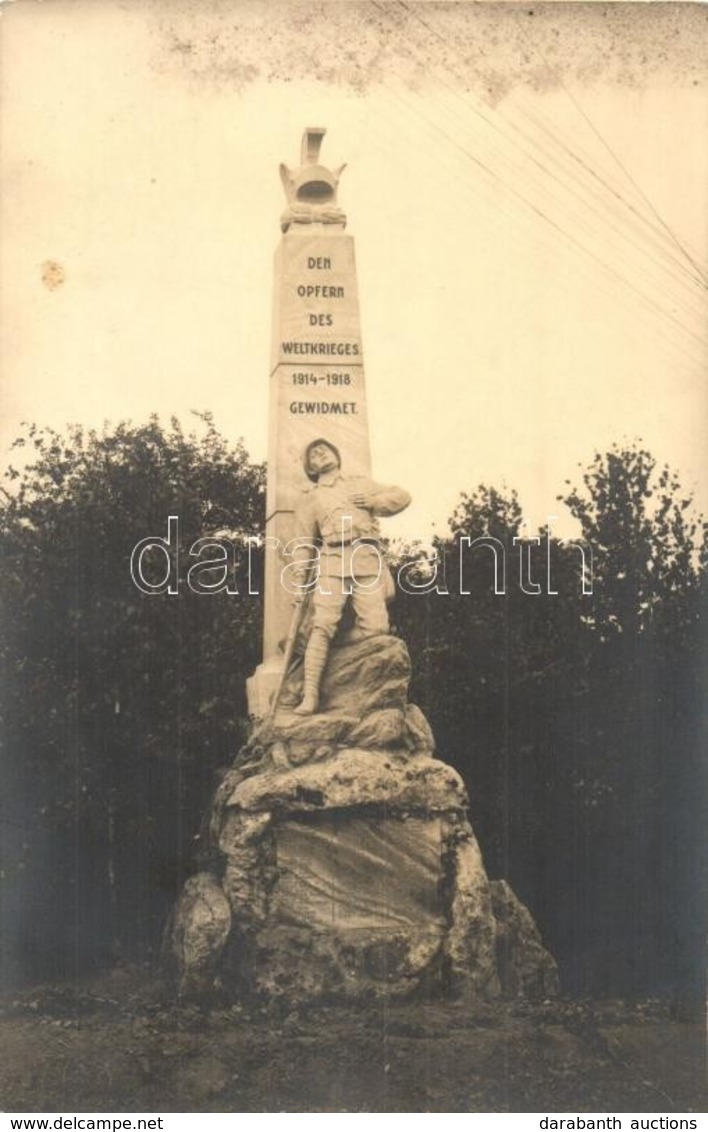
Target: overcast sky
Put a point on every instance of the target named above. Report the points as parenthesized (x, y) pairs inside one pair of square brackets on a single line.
[(527, 188)]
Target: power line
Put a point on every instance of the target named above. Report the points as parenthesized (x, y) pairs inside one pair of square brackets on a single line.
[(633, 182), (549, 220), (701, 280), (656, 232), (607, 222)]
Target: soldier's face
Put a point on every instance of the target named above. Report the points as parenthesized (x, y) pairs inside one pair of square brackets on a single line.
[(321, 458)]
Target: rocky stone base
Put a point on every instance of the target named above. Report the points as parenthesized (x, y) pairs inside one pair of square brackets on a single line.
[(347, 866), (525, 967)]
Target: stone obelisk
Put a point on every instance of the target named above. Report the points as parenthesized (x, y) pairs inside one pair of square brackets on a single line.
[(316, 374)]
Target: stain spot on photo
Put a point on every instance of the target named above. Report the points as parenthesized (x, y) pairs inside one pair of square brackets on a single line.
[(53, 274)]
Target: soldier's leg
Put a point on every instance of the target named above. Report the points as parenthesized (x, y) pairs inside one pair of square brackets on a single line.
[(370, 612), (327, 610)]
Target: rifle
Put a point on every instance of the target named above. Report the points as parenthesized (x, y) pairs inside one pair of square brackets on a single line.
[(295, 623)]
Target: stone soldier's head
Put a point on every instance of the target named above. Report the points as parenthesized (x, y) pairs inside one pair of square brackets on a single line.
[(320, 456)]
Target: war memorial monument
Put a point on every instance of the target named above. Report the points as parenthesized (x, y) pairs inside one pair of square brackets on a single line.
[(341, 861)]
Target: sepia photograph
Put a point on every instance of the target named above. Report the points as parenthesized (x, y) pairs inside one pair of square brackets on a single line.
[(353, 487)]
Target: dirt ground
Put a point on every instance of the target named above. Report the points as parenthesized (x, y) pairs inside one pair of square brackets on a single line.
[(119, 1044)]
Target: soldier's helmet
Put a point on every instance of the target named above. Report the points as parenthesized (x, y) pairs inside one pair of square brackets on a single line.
[(309, 472)]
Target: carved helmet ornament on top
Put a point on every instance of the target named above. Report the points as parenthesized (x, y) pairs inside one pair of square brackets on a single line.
[(311, 189)]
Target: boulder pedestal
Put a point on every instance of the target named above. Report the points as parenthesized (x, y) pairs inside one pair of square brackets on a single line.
[(347, 865)]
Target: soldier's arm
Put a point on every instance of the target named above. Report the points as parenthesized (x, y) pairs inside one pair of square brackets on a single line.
[(380, 499)]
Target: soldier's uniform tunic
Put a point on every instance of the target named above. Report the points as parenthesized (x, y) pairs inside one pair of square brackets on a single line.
[(350, 559)]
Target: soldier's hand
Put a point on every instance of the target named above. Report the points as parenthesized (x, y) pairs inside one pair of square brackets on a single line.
[(362, 499)]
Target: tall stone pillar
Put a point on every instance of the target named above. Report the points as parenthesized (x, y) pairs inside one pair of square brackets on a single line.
[(316, 375)]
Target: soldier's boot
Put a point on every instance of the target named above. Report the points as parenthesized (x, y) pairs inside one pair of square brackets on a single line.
[(316, 655)]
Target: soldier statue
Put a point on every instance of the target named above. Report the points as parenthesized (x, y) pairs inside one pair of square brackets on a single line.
[(339, 515)]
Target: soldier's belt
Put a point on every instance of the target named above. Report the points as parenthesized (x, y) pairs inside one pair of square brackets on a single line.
[(350, 542)]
